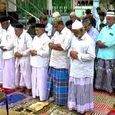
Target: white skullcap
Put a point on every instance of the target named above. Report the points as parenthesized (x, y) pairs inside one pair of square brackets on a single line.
[(56, 14), (110, 13), (72, 14), (77, 25)]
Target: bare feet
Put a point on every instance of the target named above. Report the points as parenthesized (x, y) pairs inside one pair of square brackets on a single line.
[(0, 85), (28, 92)]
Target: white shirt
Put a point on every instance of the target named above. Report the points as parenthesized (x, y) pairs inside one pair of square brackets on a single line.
[(95, 14), (59, 59), (40, 43), (0, 27), (7, 41), (48, 29), (23, 46), (1, 52), (84, 65)]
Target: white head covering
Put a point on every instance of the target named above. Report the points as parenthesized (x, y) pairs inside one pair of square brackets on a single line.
[(77, 25), (72, 14), (110, 13), (56, 14)]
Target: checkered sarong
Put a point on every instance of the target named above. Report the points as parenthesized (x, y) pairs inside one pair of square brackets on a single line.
[(105, 75), (58, 84)]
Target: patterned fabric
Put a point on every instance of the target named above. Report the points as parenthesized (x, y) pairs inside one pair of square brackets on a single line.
[(103, 102), (6, 90), (13, 98), (37, 106), (58, 83), (80, 95), (23, 104), (105, 75)]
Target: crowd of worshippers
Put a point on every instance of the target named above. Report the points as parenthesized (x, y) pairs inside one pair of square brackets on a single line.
[(65, 61)]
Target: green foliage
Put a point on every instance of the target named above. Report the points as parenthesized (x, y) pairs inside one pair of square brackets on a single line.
[(35, 7), (38, 7), (63, 6)]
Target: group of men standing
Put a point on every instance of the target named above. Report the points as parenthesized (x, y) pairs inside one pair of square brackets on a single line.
[(59, 64)]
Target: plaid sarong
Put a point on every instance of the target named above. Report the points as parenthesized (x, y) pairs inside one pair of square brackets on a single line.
[(58, 84), (105, 75)]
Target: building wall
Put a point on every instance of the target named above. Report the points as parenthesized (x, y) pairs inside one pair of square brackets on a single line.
[(12, 5), (2, 6), (7, 5), (108, 4), (82, 3)]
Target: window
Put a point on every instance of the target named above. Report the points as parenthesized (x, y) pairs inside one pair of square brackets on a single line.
[(85, 2), (63, 6)]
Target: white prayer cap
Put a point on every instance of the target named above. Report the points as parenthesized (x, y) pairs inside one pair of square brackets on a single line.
[(72, 14), (77, 25), (56, 14), (110, 13)]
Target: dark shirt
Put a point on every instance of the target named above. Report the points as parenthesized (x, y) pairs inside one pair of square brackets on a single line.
[(31, 31)]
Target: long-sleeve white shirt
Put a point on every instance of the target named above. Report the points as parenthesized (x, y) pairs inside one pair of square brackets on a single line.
[(48, 29), (84, 65), (22, 45), (59, 59), (1, 52), (7, 41), (40, 44)]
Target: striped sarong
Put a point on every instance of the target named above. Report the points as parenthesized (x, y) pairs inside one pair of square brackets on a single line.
[(80, 94), (105, 75), (58, 84)]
